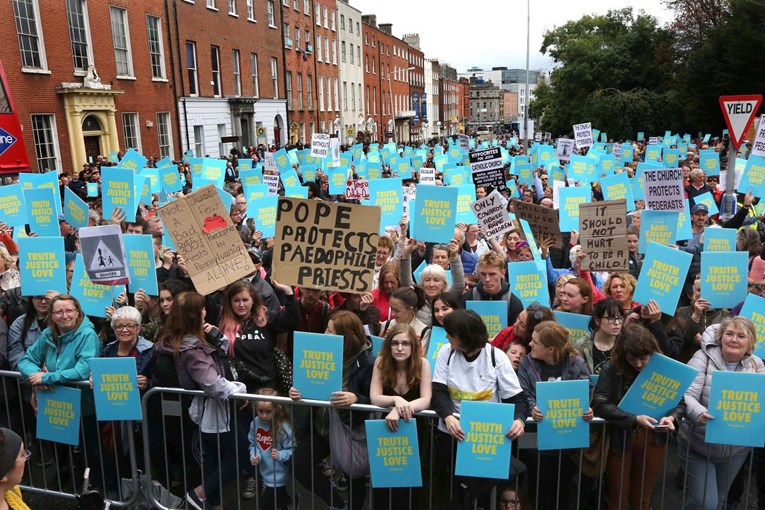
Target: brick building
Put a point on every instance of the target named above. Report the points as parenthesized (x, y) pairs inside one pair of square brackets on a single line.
[(90, 78), (418, 130), (300, 68)]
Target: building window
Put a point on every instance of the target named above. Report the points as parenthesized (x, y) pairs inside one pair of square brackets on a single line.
[(308, 41), (345, 95), (237, 72), (317, 12), (163, 135), (44, 131), (286, 3), (79, 33), (299, 78), (199, 141), (286, 32), (215, 65), (374, 99), (309, 91), (211, 4), (358, 55), (307, 7), (232, 7), (353, 97), (350, 25), (342, 51), (254, 75), (156, 49), (288, 84), (191, 68), (271, 19), (334, 52), (296, 4), (297, 37), (366, 63), (360, 102), (251, 10), (302, 132), (326, 50), (321, 94), (130, 131), (318, 48), (337, 95), (275, 77), (121, 41), (332, 21), (328, 91), (358, 30), (352, 59), (326, 17), (29, 32), (374, 65), (221, 145), (342, 22), (368, 110)]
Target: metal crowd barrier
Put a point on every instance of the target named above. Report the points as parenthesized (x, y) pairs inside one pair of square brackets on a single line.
[(172, 462)]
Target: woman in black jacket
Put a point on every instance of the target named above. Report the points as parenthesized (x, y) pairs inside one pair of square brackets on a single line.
[(638, 442)]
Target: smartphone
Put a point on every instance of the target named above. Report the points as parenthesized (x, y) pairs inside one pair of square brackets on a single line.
[(661, 427)]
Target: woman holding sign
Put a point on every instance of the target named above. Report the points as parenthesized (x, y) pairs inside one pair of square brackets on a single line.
[(711, 468), (638, 442), (401, 381), (551, 358)]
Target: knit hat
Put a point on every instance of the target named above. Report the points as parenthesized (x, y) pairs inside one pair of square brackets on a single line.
[(9, 450)]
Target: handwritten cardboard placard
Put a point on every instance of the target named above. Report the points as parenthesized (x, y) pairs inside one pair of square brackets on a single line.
[(543, 220), (323, 245), (204, 235), (492, 215), (603, 235)]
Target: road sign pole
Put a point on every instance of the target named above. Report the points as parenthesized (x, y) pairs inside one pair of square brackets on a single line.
[(729, 200)]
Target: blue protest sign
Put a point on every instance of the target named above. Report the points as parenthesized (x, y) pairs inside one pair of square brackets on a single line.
[(164, 162), (169, 179), (671, 158), (754, 310), (92, 188), (13, 210), (338, 180), (42, 265), (528, 283), (465, 197), (753, 177), (709, 162), (578, 168), (617, 187), (493, 314), (485, 452), (290, 178), (578, 325), (394, 457), (387, 195), (58, 415), (296, 191), (263, 211), (115, 389), (282, 161), (724, 277), (41, 211), (719, 239), (570, 198), (140, 259), (658, 388), (132, 160), (735, 402), (708, 200), (437, 341), (662, 277), (434, 216), (118, 190), (318, 368), (251, 177), (563, 403), (75, 209), (29, 180), (684, 224), (152, 178), (657, 227)]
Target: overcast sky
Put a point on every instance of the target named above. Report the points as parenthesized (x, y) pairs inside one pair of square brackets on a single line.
[(487, 33)]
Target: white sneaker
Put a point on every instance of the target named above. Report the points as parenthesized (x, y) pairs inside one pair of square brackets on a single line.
[(250, 488)]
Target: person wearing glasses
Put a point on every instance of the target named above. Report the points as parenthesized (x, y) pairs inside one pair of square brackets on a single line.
[(605, 325), (13, 460), (126, 323), (510, 499)]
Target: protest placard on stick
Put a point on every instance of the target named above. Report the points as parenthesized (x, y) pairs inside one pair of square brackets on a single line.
[(603, 235)]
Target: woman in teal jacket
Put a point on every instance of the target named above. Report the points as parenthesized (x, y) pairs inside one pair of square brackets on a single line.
[(62, 352), (60, 356)]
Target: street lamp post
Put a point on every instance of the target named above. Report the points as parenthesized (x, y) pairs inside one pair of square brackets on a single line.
[(526, 99), (390, 98)]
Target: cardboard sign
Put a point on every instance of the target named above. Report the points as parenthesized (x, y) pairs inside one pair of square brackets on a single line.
[(323, 245), (202, 231), (320, 145), (356, 189), (603, 235), (491, 213), (664, 190), (103, 252), (543, 220), (583, 135), (394, 457), (758, 146), (487, 168), (658, 388)]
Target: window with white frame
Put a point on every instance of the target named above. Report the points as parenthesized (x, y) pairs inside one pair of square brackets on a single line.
[(271, 18), (237, 72), (366, 63), (358, 30), (309, 91), (342, 22), (299, 78), (337, 95), (156, 48), (131, 131), (326, 50), (29, 32), (374, 99), (353, 97), (317, 12), (307, 7), (359, 97), (296, 4), (286, 32), (211, 4), (215, 67), (254, 74), (164, 135), (121, 41), (232, 7), (307, 41), (251, 10), (358, 55), (326, 16), (352, 59), (286, 3), (345, 95), (302, 131), (46, 145), (368, 110), (199, 141), (191, 68), (342, 51), (334, 52), (275, 77), (328, 91), (318, 47), (321, 93), (297, 37), (332, 21), (79, 34), (288, 85), (221, 145)]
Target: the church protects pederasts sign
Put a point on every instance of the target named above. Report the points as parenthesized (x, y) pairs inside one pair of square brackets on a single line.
[(204, 235)]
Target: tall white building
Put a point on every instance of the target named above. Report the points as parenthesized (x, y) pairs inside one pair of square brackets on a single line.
[(432, 75), (350, 72)]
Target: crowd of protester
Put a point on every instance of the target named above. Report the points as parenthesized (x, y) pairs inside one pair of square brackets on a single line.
[(183, 339)]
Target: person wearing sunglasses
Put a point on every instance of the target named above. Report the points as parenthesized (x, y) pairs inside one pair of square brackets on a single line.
[(13, 459)]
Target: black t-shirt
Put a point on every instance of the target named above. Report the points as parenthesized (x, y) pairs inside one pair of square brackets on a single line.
[(551, 372), (599, 358)]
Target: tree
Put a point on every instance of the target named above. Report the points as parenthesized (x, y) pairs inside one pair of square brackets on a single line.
[(614, 70)]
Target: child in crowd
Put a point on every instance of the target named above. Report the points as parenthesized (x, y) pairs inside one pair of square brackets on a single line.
[(516, 351), (271, 446)]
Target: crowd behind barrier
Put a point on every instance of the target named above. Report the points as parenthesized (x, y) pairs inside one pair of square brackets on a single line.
[(472, 318)]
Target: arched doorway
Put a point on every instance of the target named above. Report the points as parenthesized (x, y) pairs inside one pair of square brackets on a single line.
[(278, 130), (92, 130)]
